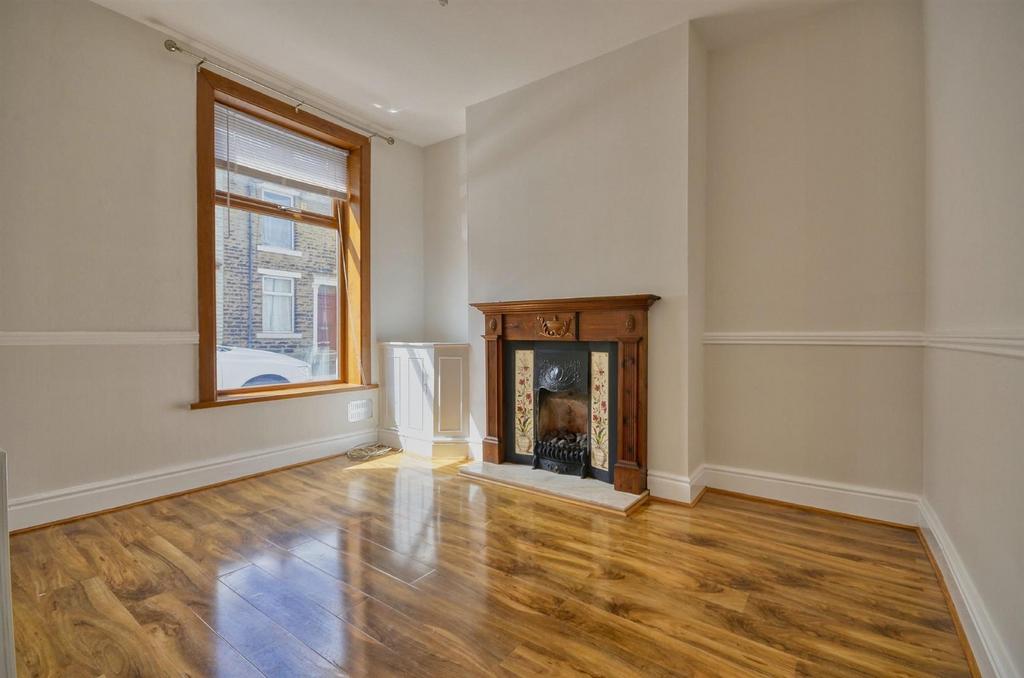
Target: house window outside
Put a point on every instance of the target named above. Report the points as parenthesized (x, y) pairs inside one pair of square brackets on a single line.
[(278, 305), (279, 232)]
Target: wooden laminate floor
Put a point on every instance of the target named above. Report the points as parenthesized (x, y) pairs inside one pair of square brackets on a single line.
[(395, 567)]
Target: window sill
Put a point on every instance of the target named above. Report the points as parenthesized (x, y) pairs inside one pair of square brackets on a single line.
[(280, 394), (279, 335), (273, 249)]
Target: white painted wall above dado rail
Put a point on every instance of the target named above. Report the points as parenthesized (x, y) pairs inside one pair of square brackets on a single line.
[(816, 174), (445, 284)]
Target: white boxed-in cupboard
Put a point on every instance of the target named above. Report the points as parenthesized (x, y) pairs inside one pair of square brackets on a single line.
[(425, 398)]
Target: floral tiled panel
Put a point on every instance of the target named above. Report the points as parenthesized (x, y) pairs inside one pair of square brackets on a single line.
[(524, 402), (599, 410)]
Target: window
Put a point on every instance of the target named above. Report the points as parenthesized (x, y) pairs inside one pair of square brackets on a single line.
[(279, 232), (283, 234), (278, 305)]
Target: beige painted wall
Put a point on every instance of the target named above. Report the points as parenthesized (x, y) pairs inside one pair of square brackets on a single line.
[(444, 241), (973, 428), (98, 233), (815, 223), (98, 151), (848, 414), (816, 183), (577, 187), (973, 466), (975, 201), (397, 241), (696, 250), (72, 415)]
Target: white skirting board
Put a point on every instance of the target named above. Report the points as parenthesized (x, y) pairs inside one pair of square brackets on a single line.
[(990, 651), (868, 502), (675, 487), (888, 505), (425, 447), (46, 507)]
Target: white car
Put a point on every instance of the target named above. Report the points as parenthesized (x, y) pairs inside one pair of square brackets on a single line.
[(244, 367)]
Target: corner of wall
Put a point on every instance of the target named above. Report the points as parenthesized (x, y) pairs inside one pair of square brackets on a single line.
[(445, 283), (696, 233)]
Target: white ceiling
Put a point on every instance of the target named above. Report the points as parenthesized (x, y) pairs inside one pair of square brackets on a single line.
[(425, 60)]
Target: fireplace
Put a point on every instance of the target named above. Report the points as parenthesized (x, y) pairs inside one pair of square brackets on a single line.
[(562, 444), (559, 407), (567, 386)]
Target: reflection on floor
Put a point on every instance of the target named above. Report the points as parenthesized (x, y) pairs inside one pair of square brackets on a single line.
[(397, 567)]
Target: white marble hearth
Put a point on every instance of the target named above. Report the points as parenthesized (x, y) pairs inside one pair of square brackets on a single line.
[(570, 487)]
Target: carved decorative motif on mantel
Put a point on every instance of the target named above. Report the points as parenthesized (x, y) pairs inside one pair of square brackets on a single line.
[(554, 327)]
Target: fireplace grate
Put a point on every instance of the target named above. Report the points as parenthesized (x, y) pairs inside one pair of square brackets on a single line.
[(562, 456)]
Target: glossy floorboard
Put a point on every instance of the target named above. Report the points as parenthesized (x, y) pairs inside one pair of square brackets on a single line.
[(396, 567)]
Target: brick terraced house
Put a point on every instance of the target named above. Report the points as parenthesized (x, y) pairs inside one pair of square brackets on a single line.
[(277, 280)]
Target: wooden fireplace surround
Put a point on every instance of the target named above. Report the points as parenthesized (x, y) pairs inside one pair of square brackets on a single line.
[(621, 319)]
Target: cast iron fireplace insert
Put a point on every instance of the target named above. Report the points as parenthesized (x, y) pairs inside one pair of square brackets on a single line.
[(560, 407)]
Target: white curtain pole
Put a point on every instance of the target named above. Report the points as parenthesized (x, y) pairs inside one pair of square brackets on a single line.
[(172, 46)]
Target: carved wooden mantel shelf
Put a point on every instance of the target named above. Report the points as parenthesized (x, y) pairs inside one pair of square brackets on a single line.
[(621, 319)]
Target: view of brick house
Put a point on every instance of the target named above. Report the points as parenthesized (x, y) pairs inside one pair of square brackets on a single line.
[(277, 280)]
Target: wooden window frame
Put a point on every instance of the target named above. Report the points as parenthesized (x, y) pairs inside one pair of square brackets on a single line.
[(351, 218)]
